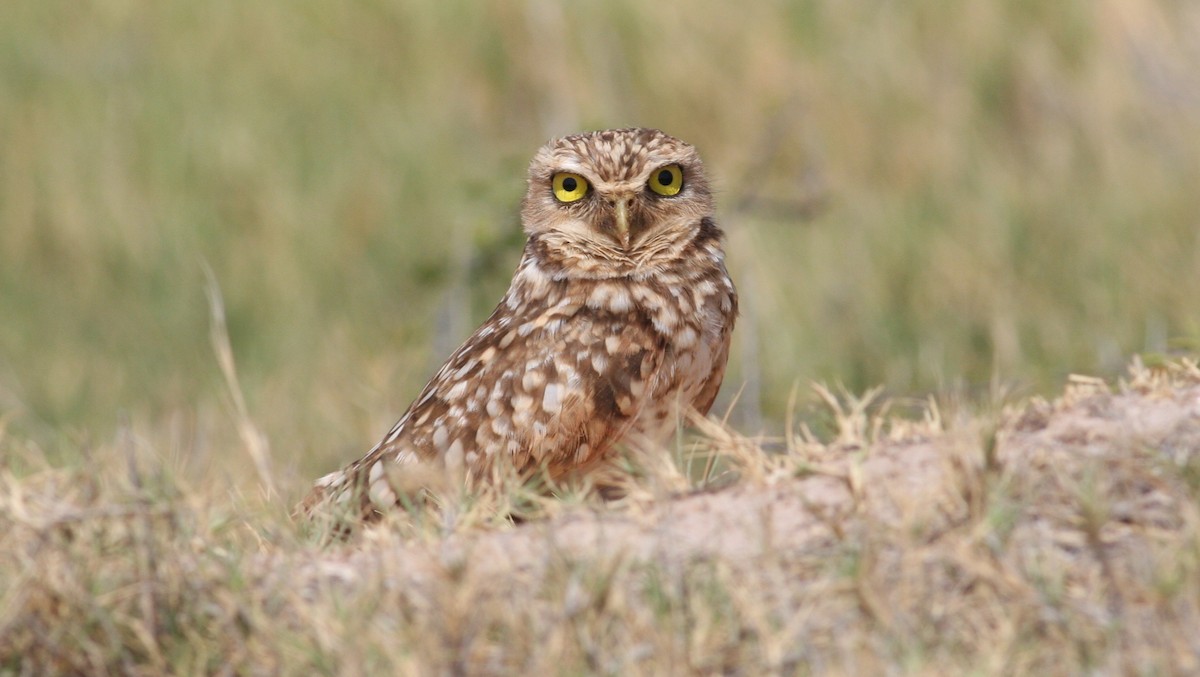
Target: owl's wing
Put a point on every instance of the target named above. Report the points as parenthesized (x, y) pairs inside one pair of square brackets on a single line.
[(723, 306), (549, 387)]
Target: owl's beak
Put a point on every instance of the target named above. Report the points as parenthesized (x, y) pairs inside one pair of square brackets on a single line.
[(621, 212)]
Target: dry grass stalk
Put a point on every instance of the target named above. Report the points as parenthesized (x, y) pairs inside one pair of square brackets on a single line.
[(1076, 547)]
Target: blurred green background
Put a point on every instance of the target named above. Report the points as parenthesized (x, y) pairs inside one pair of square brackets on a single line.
[(929, 195)]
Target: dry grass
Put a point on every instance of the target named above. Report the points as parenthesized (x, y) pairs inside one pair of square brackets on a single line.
[(1047, 538)]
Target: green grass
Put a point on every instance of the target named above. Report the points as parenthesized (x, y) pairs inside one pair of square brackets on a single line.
[(925, 196)]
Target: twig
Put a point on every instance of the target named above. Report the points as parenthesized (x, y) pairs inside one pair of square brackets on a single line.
[(254, 440), (142, 532)]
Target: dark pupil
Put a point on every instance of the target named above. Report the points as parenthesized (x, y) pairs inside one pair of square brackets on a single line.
[(569, 184), (665, 177)]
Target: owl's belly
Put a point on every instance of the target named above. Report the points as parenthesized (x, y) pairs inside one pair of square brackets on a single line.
[(687, 371)]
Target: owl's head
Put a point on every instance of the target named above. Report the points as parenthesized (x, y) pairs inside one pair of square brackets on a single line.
[(610, 202)]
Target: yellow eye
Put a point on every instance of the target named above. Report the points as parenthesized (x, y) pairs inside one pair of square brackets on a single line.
[(667, 181), (569, 187)]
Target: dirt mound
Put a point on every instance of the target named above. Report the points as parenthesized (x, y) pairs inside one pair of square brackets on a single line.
[(1051, 538), (1056, 536)]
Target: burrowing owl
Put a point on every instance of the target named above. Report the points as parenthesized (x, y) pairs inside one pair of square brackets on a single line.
[(618, 317)]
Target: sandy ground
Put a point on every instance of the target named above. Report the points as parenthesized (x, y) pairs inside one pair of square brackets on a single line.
[(1046, 452)]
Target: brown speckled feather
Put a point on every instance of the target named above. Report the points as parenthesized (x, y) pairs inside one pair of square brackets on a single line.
[(619, 314)]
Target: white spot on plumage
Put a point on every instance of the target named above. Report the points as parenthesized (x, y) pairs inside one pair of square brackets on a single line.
[(551, 402), (333, 479), (465, 369), (522, 403), (532, 379), (381, 494), (455, 455), (567, 307), (612, 343), (618, 301), (494, 407), (665, 322), (599, 296), (457, 391)]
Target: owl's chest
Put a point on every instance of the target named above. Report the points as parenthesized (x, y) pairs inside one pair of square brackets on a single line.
[(692, 321), (693, 353)]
